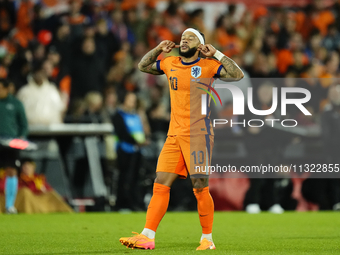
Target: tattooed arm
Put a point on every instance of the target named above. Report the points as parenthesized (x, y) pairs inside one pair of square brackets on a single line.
[(230, 71), (148, 62)]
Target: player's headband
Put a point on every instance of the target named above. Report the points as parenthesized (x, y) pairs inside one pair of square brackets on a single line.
[(199, 36)]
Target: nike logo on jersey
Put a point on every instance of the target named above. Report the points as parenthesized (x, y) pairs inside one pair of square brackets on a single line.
[(173, 70)]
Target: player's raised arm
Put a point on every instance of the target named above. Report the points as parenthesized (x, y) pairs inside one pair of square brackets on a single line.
[(230, 71), (148, 62)]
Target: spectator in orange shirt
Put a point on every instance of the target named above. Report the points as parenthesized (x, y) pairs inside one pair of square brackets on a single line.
[(76, 19), (221, 36), (197, 22), (57, 73), (285, 57), (174, 18), (321, 17), (25, 18), (226, 36), (234, 45), (304, 24), (158, 32)]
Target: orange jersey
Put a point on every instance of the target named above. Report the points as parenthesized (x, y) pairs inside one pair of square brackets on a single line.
[(185, 97)]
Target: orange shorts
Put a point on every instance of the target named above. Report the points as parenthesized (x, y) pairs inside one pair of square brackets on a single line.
[(186, 154)]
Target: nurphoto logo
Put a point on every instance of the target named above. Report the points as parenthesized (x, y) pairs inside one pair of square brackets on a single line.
[(239, 104)]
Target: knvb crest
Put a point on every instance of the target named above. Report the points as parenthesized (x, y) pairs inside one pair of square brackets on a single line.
[(196, 71)]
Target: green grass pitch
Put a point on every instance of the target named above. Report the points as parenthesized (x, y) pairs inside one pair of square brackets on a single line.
[(178, 233)]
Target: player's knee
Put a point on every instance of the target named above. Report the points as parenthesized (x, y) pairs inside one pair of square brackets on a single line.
[(160, 180), (199, 184), (166, 179), (163, 181)]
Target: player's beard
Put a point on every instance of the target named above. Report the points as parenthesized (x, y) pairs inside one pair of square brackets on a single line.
[(188, 54)]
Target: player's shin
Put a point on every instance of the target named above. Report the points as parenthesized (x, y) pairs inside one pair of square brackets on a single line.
[(157, 208), (205, 207)]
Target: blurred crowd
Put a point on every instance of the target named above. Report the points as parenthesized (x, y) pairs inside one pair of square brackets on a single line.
[(75, 61)]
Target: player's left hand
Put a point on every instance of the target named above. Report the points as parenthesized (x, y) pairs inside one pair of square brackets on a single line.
[(207, 50)]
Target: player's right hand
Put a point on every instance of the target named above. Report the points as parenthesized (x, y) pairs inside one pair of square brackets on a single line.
[(166, 46)]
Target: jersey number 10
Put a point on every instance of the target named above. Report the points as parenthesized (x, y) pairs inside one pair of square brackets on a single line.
[(198, 157), (173, 83)]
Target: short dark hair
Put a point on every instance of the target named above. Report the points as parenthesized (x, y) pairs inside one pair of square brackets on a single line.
[(125, 94), (38, 65), (4, 83)]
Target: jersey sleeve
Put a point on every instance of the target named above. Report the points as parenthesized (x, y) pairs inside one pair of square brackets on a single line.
[(216, 68), (158, 65), (163, 65)]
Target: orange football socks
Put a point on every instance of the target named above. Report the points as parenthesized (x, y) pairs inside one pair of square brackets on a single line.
[(205, 207), (158, 206)]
